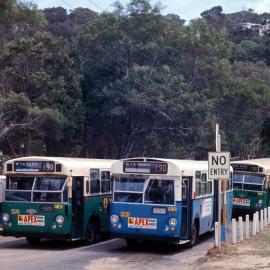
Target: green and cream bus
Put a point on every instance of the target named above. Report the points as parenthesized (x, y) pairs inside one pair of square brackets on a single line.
[(251, 184), (56, 198)]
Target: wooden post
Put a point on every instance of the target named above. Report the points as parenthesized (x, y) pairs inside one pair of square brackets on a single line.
[(261, 220), (265, 217), (257, 222), (234, 234), (247, 226), (216, 234), (254, 224), (241, 233)]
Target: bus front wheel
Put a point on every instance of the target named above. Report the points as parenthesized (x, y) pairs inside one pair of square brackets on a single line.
[(194, 235), (33, 240), (92, 235)]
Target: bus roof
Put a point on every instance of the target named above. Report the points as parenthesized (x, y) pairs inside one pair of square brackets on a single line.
[(78, 166), (263, 162), (175, 166)]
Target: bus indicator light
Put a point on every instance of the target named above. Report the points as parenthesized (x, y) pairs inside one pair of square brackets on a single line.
[(124, 214), (58, 206)]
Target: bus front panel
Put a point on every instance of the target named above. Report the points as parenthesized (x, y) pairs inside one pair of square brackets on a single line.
[(36, 219), (146, 222)]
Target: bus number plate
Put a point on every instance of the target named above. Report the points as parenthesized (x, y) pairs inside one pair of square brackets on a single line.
[(32, 220), (240, 201), (142, 223)]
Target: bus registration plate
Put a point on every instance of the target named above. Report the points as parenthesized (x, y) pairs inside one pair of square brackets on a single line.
[(240, 201), (32, 220), (142, 223)]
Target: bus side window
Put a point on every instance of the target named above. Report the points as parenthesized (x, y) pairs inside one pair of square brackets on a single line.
[(105, 182), (209, 187), (94, 181), (87, 187), (203, 184), (198, 183)]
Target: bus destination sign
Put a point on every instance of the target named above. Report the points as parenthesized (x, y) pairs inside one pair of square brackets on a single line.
[(245, 167), (34, 166), (145, 167)]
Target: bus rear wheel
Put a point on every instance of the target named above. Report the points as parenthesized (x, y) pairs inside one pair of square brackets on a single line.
[(33, 240)]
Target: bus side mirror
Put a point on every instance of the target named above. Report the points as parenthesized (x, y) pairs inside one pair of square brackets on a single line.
[(69, 186)]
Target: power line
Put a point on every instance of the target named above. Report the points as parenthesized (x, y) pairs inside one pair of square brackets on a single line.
[(67, 4), (92, 2)]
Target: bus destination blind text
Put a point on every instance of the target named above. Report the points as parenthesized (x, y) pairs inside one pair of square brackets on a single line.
[(34, 166), (145, 167)]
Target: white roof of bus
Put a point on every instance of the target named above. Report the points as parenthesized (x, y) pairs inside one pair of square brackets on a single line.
[(75, 164), (187, 164), (66, 160), (181, 164), (263, 162)]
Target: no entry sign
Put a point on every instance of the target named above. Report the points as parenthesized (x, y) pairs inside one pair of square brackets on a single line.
[(219, 165)]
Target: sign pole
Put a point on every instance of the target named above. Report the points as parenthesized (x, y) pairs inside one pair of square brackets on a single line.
[(219, 170), (218, 143)]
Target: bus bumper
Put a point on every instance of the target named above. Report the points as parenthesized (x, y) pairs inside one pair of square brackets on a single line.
[(40, 235), (142, 237)]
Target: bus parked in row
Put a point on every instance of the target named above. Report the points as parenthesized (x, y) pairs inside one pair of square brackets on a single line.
[(251, 184), (57, 198), (164, 199)]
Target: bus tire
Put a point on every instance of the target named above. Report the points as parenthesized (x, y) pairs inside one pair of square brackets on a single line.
[(194, 235), (131, 243), (92, 234), (33, 240)]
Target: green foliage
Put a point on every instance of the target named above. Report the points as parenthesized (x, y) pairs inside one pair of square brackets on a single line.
[(132, 82)]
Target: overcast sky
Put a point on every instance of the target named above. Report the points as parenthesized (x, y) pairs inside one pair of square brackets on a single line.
[(186, 9)]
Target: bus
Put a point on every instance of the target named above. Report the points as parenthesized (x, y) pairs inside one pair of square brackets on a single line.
[(164, 199), (56, 198), (251, 184)]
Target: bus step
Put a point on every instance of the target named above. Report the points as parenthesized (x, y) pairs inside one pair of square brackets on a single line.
[(182, 242)]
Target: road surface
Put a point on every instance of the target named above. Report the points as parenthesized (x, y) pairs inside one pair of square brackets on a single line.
[(17, 254)]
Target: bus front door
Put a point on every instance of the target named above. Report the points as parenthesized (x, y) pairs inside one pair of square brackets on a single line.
[(77, 207), (186, 207)]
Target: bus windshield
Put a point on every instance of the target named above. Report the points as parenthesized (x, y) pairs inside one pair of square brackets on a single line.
[(36, 189), (129, 190), (139, 190), (248, 181)]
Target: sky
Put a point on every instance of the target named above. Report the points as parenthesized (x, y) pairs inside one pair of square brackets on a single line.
[(186, 9)]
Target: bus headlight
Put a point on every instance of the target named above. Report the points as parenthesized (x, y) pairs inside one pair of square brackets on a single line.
[(60, 219), (260, 202), (173, 222), (114, 218), (5, 217)]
